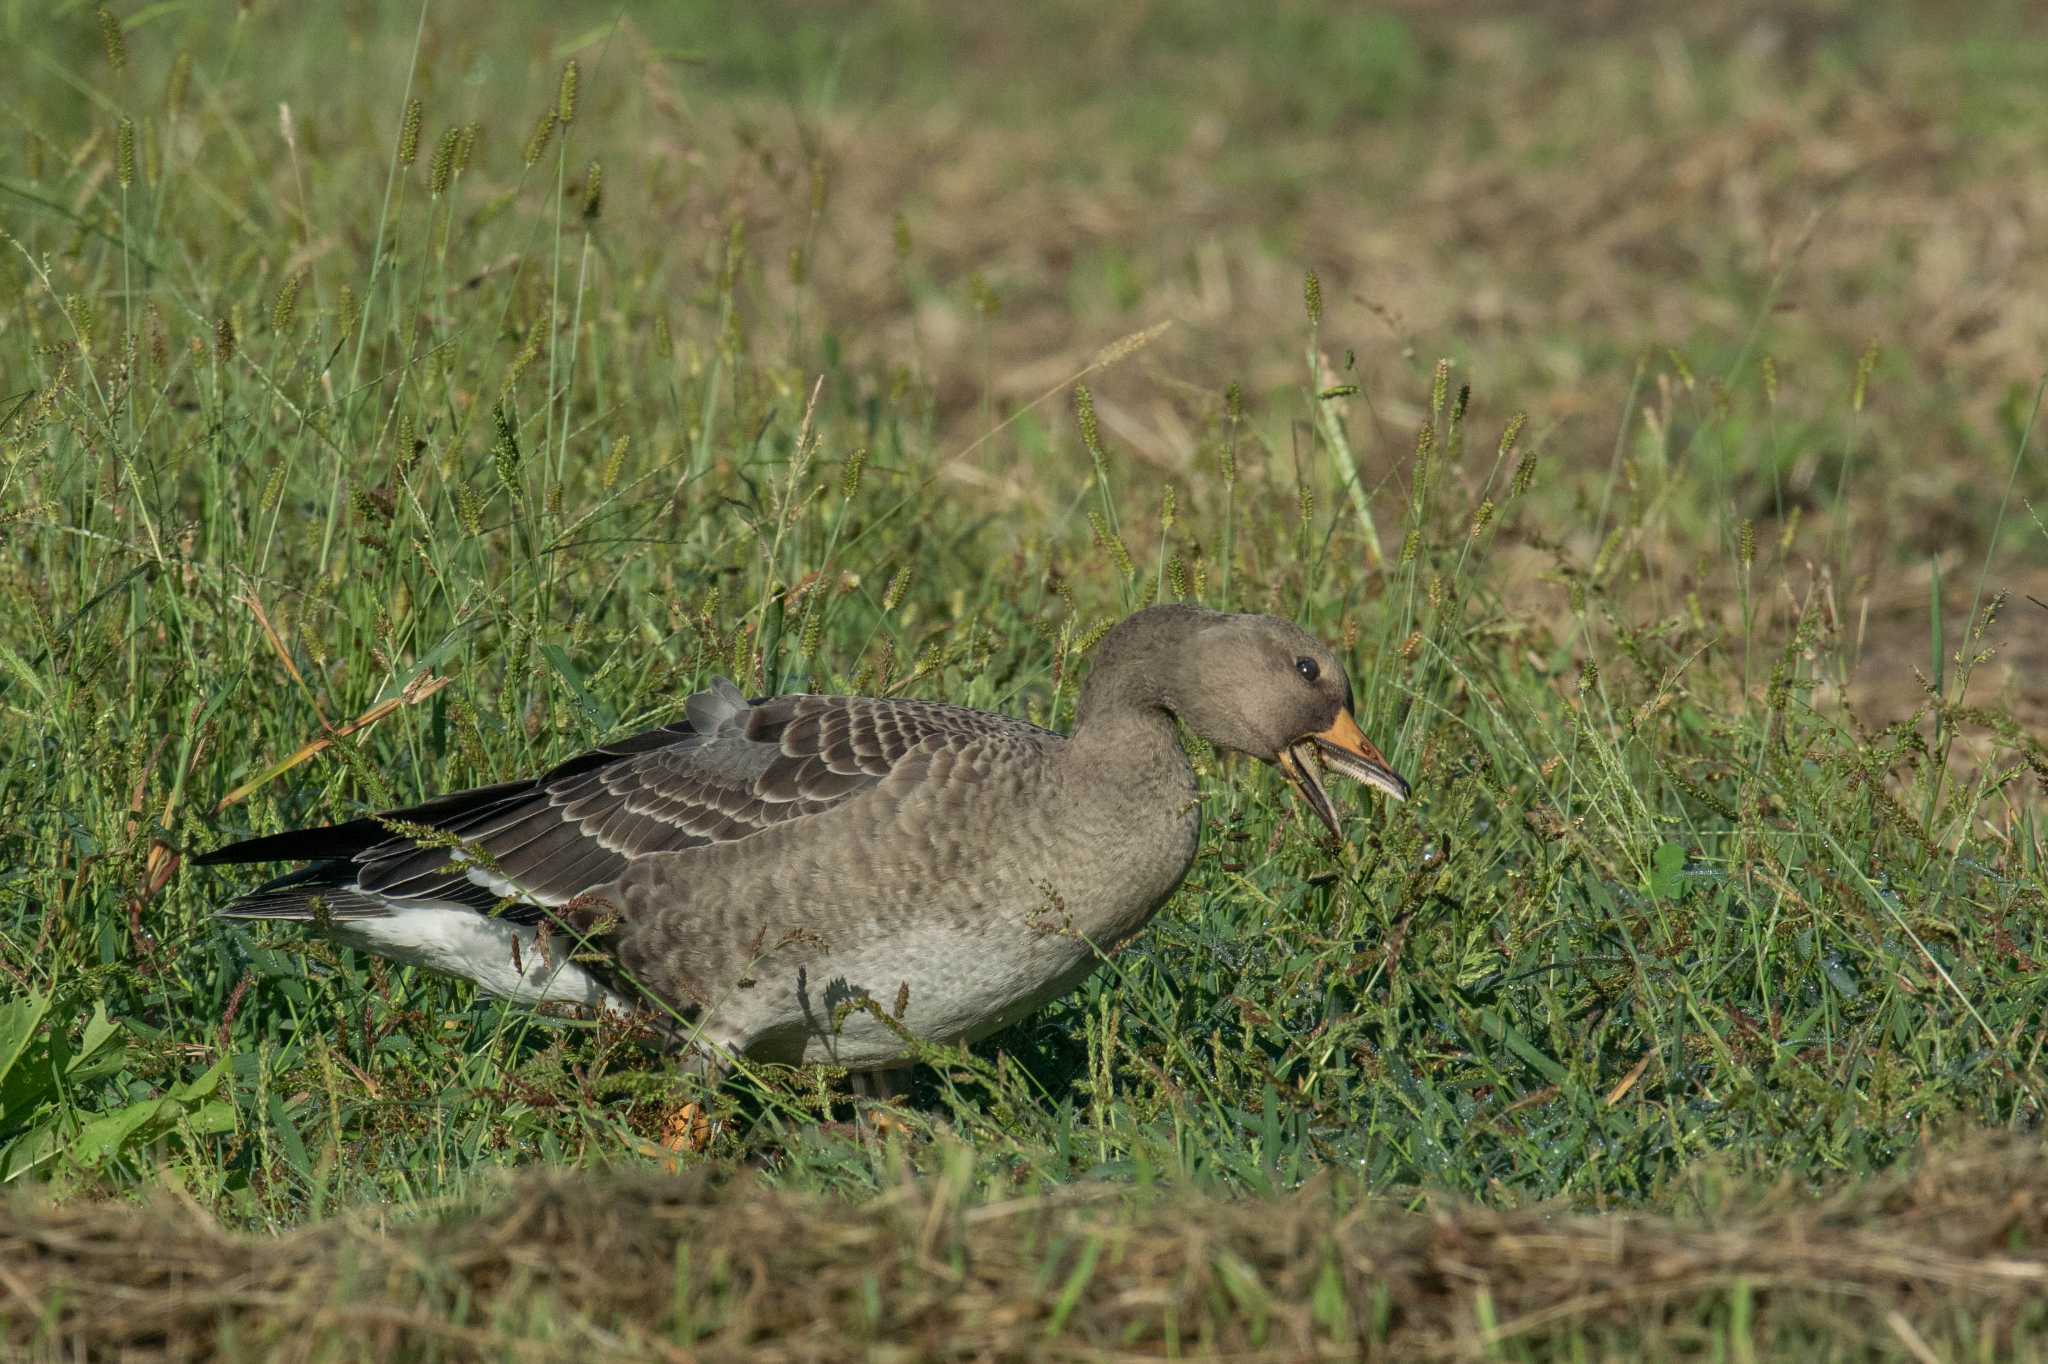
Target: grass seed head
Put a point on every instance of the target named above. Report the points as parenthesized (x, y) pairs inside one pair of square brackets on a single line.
[(465, 147), (537, 140), (813, 629), (1865, 364), (124, 154), (899, 587), (505, 445), (565, 93), (608, 477), (849, 478), (442, 173), (593, 192), (112, 39), (1312, 296), (286, 304), (1425, 459), (1084, 416), (409, 132), (224, 339), (178, 84), (1111, 542)]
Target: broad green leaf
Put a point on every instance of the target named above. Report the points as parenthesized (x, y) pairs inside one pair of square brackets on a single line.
[(203, 1086), (18, 1021), (104, 1136), (101, 1052), (32, 1149)]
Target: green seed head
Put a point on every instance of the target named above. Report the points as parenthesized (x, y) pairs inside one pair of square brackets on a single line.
[(537, 140), (111, 37), (593, 192), (442, 172), (899, 587), (287, 303), (814, 623), (1525, 475), (505, 445), (565, 94), (1084, 414), (608, 477), (1864, 367), (124, 154), (177, 84), (409, 133), (1110, 541), (1312, 296)]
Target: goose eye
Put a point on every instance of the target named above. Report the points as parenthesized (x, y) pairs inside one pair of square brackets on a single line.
[(1307, 668)]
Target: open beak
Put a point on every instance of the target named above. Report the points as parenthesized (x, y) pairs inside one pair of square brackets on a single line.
[(1342, 747)]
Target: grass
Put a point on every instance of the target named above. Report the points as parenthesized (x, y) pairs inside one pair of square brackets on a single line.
[(336, 472), (636, 1266)]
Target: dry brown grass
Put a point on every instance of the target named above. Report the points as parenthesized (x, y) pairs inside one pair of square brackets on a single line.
[(590, 1266), (1611, 182), (1589, 184)]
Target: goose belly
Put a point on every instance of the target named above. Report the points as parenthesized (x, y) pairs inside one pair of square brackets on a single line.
[(960, 960), (504, 958)]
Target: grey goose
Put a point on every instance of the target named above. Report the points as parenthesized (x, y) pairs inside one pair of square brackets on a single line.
[(758, 864)]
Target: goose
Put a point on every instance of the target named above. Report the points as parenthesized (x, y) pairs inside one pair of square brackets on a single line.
[(821, 879)]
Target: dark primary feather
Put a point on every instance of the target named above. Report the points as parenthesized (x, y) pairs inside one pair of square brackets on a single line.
[(729, 769)]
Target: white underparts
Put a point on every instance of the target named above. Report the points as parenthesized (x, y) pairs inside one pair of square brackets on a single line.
[(504, 958)]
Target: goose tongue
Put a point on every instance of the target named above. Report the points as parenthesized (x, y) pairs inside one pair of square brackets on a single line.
[(1345, 748)]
